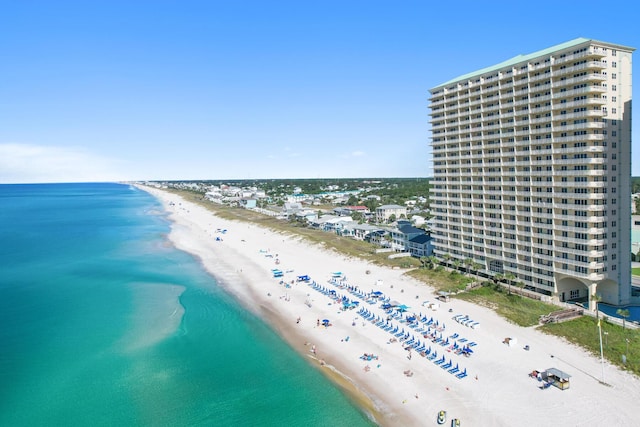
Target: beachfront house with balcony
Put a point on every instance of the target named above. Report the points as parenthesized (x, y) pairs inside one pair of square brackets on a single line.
[(385, 212), (420, 246)]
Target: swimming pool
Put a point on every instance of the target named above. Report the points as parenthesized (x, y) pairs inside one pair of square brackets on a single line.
[(610, 310)]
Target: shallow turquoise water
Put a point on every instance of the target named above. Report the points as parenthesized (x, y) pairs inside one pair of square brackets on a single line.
[(102, 322)]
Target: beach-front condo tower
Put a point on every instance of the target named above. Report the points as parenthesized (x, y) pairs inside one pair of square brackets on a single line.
[(532, 171)]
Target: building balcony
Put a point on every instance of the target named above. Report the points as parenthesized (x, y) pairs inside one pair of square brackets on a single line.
[(580, 138), (541, 76), (579, 126), (582, 114), (598, 65), (581, 103), (558, 83), (591, 52), (580, 91)]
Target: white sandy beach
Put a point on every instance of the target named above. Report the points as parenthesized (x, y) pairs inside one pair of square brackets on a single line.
[(497, 390)]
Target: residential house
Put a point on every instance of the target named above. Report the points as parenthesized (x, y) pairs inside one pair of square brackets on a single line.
[(290, 208), (248, 202), (420, 246), (361, 231), (330, 223), (384, 212), (401, 235), (377, 237)]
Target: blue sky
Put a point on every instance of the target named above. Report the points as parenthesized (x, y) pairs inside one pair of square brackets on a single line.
[(134, 90)]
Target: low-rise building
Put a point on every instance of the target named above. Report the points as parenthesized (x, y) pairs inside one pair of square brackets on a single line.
[(384, 212), (359, 231), (401, 236), (420, 246)]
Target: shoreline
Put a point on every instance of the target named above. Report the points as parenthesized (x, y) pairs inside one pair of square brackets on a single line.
[(497, 390)]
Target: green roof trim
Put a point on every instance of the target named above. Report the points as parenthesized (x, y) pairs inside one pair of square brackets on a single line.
[(517, 59)]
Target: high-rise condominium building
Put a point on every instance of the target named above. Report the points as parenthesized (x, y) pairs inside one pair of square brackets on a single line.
[(532, 170)]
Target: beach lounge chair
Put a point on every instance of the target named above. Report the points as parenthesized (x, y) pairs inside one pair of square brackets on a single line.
[(462, 374)]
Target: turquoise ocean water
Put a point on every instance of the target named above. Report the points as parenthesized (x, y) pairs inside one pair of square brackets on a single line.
[(103, 323)]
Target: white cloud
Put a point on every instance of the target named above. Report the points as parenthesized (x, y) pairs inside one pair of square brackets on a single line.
[(28, 163), (352, 154)]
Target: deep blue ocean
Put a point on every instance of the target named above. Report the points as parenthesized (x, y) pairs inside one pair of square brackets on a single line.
[(104, 323)]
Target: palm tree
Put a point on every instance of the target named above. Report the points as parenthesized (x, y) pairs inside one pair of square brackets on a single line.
[(624, 313), (424, 261), (476, 266), (468, 263), (509, 277), (498, 278), (433, 262), (457, 263), (447, 258)]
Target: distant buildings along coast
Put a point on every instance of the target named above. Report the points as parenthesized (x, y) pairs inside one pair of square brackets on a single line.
[(532, 170)]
